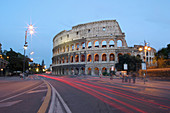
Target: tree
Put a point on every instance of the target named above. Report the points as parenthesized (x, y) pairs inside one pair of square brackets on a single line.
[(163, 57), (133, 62), (163, 53), (15, 60)]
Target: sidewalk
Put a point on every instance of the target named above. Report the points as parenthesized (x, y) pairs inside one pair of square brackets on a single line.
[(139, 82)]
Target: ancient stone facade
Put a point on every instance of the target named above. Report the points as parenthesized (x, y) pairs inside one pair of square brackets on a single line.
[(91, 48)]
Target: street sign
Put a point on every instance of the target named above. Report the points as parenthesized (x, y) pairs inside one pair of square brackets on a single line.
[(143, 66), (125, 67)]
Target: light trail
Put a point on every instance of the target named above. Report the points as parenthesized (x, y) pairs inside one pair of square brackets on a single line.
[(80, 85)]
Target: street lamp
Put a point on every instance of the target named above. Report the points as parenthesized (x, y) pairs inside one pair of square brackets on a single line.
[(146, 48), (31, 31)]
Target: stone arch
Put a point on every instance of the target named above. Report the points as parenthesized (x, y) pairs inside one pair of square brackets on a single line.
[(104, 44), (104, 57), (96, 57), (63, 49), (89, 58), (76, 71), (72, 71), (89, 71), (89, 44), (82, 58), (138, 56), (58, 51), (96, 71), (77, 46), (83, 45), (67, 48), (96, 44), (119, 54), (119, 43), (77, 58), (66, 59), (82, 70), (62, 71), (67, 71), (63, 59), (72, 47), (111, 43), (104, 69), (112, 57), (71, 59)]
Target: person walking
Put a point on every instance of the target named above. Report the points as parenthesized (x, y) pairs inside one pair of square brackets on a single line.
[(134, 77)]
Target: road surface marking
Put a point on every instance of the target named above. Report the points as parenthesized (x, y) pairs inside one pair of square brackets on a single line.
[(44, 105), (37, 91), (18, 94), (58, 109), (7, 104)]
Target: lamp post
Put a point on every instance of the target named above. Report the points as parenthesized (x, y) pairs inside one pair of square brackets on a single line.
[(146, 48), (31, 31)]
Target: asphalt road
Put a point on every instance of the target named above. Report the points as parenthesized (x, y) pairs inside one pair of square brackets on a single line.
[(84, 95)]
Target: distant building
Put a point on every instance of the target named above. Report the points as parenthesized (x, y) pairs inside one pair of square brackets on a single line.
[(91, 48)]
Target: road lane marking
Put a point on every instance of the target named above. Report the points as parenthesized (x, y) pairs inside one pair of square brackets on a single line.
[(46, 101), (37, 91), (18, 94), (7, 104), (58, 109)]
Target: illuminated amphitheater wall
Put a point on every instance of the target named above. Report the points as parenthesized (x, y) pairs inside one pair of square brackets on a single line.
[(89, 49)]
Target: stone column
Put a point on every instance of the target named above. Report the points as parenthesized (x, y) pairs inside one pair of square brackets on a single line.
[(108, 57)]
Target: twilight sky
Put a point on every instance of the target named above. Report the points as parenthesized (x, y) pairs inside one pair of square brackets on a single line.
[(140, 20)]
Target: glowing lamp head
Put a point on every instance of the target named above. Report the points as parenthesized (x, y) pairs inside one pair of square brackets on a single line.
[(31, 32), (32, 59), (140, 49), (31, 27), (149, 48), (146, 47), (25, 47)]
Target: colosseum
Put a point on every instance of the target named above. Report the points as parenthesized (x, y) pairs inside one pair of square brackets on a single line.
[(91, 49)]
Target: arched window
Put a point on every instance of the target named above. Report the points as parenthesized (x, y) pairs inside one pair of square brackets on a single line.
[(104, 57), (67, 48), (72, 47), (138, 56), (66, 59), (104, 44), (83, 45), (76, 71), (77, 58), (58, 51), (89, 45), (111, 43), (71, 59), (119, 43), (60, 61), (77, 46), (82, 58), (112, 57), (63, 49), (96, 57), (96, 44), (96, 71), (83, 70), (104, 70), (89, 71), (88, 58), (120, 54), (63, 60)]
